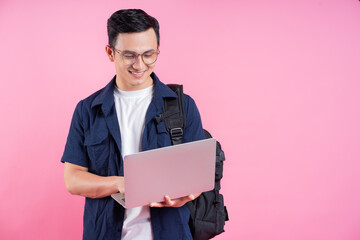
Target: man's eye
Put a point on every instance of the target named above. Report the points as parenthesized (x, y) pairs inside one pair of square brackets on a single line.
[(149, 55), (128, 56)]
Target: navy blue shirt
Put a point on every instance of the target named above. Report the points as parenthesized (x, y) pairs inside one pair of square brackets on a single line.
[(94, 142)]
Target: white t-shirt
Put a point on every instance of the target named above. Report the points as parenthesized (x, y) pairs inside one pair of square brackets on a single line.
[(131, 107)]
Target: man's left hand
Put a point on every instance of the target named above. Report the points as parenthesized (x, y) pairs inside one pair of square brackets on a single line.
[(177, 202)]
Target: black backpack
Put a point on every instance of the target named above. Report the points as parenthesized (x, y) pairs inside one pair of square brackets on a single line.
[(208, 213)]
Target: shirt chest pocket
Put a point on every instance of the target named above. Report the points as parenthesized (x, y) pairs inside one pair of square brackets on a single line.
[(163, 137), (98, 149)]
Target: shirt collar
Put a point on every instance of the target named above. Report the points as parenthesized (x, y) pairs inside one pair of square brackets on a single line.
[(106, 96)]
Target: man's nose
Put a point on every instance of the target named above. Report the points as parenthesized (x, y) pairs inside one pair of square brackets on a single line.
[(139, 64)]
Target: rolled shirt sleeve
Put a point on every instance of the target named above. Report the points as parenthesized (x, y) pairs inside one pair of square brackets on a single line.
[(75, 151)]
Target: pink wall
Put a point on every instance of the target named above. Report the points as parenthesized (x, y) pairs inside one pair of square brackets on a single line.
[(277, 82)]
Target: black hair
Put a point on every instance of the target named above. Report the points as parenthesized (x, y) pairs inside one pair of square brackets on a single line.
[(129, 21)]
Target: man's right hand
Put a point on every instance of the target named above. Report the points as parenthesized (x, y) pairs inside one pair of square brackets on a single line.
[(79, 181)]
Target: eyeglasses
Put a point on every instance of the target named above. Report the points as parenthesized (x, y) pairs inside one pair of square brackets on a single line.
[(148, 57)]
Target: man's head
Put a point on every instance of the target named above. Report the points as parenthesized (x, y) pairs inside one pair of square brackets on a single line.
[(130, 21), (133, 46)]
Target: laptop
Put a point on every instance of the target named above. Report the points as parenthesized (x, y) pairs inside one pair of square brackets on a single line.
[(176, 171)]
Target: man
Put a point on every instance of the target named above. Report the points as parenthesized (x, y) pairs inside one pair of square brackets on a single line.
[(119, 120)]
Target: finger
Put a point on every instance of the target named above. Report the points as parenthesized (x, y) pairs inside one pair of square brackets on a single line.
[(168, 201), (191, 197), (158, 204), (197, 195), (186, 198)]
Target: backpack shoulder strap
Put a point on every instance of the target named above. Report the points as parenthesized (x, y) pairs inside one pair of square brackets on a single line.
[(173, 114)]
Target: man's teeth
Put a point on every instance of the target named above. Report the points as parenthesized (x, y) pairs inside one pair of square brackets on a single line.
[(137, 73)]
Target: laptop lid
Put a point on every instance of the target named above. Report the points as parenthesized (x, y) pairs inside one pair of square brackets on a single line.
[(176, 171)]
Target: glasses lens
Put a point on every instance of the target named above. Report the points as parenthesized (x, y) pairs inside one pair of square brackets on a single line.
[(129, 58), (149, 57)]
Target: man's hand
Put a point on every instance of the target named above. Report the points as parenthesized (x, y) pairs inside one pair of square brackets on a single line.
[(79, 181), (177, 202)]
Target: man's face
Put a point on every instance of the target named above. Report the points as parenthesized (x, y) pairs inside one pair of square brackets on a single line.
[(135, 76)]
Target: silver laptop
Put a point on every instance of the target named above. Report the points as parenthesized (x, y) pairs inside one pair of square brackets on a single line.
[(176, 171)]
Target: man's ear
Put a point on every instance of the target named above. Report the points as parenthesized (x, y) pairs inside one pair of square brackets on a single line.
[(110, 53)]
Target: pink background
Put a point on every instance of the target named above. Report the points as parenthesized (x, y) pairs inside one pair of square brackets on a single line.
[(277, 82)]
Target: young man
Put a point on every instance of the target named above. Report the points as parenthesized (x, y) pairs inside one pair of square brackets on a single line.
[(118, 120)]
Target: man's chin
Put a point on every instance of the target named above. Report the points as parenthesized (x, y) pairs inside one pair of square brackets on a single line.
[(139, 84)]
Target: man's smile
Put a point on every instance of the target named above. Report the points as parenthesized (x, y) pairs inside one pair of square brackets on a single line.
[(137, 74)]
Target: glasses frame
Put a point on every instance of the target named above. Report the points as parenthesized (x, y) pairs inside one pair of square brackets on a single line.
[(137, 55)]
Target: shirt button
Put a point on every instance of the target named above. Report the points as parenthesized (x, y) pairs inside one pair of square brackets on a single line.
[(119, 230)]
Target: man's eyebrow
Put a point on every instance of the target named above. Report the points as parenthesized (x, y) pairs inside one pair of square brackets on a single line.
[(128, 51)]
